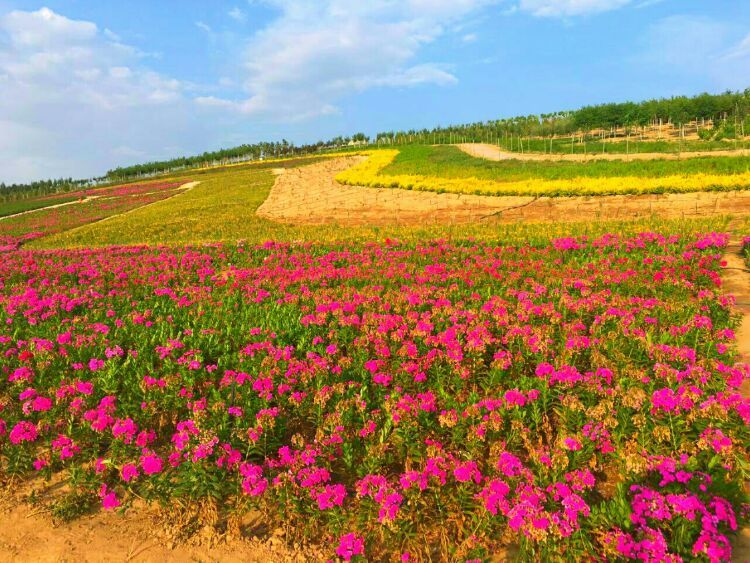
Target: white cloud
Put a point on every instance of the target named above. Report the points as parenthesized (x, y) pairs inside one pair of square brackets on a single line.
[(204, 27), (70, 94), (45, 29), (319, 52), (469, 38), (237, 15), (648, 3), (568, 8)]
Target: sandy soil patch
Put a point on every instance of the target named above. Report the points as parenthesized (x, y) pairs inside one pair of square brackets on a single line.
[(736, 280), (141, 534), (492, 152), (310, 195)]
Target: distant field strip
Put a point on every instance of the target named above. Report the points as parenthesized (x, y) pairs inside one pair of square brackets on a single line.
[(447, 169)]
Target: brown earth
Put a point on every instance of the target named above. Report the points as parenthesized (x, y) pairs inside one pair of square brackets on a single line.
[(311, 195), (142, 534), (492, 152), (736, 280)]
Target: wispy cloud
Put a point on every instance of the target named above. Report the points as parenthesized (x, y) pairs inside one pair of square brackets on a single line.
[(204, 27), (237, 15), (317, 53), (568, 8), (739, 51)]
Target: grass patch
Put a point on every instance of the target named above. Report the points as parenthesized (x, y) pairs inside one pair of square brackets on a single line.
[(21, 206)]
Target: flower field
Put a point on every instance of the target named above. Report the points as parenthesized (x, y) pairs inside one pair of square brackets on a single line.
[(103, 203), (371, 173), (572, 398)]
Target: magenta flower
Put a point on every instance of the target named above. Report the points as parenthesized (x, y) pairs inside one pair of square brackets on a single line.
[(40, 464), (330, 496), (109, 499), (129, 472), (151, 463), (253, 484), (41, 404), (572, 444), (23, 431), (350, 545), (467, 471)]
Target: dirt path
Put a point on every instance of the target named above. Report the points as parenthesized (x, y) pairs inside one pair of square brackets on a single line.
[(493, 152), (76, 202), (736, 280), (139, 535), (310, 195)]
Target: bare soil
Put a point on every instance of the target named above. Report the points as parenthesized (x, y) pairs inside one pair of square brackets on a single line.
[(142, 534), (311, 195), (492, 152), (736, 280)]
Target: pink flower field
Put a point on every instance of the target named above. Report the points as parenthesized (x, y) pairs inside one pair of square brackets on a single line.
[(392, 401)]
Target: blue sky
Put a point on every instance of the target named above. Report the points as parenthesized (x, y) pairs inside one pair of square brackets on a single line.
[(86, 85)]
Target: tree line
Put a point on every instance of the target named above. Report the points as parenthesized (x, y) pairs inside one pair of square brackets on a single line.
[(728, 115), (242, 153), (12, 192)]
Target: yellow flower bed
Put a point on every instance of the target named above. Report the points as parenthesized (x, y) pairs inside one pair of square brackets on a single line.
[(368, 174)]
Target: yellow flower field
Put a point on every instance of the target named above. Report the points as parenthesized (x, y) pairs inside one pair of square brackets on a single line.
[(368, 174)]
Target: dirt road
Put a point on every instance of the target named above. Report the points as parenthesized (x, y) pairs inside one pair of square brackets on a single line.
[(736, 280), (493, 152)]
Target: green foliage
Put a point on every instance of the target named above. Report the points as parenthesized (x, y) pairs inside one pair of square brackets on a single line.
[(13, 192), (19, 206), (677, 110), (73, 505)]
